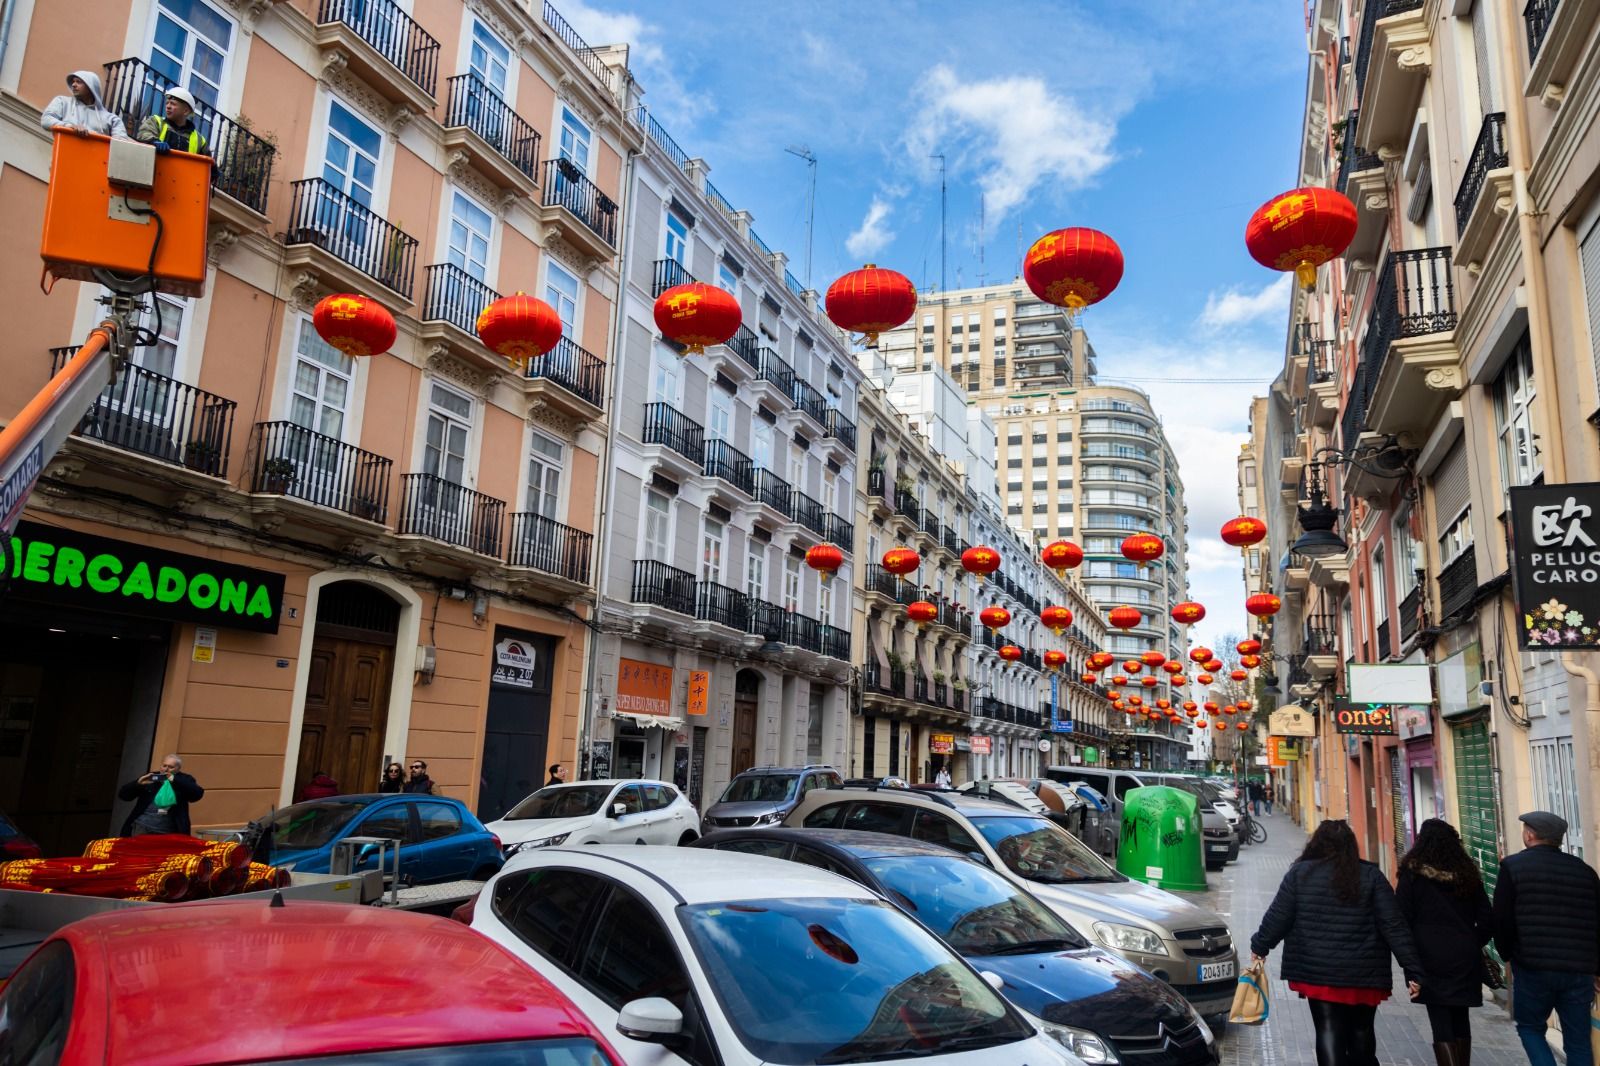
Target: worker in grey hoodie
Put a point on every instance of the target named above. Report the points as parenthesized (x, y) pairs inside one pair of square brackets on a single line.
[(82, 109)]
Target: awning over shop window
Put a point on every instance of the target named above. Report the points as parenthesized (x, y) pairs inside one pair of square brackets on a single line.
[(657, 721)]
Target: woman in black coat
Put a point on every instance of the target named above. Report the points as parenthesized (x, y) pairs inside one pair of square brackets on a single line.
[(1441, 896), (1337, 920)]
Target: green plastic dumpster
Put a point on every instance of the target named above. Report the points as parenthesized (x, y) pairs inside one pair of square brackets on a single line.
[(1162, 842)]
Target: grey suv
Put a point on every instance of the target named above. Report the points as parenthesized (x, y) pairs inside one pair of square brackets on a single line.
[(764, 795)]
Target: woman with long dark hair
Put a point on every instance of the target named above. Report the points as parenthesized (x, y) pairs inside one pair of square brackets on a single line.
[(1337, 920), (1441, 896)]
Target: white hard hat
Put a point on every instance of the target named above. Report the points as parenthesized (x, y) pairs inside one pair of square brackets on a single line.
[(182, 94)]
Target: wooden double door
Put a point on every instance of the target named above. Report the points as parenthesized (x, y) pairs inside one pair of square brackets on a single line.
[(346, 713)]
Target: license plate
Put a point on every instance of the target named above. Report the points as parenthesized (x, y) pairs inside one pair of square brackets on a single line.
[(1216, 971)]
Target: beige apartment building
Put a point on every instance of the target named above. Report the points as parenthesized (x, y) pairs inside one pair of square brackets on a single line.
[(418, 524)]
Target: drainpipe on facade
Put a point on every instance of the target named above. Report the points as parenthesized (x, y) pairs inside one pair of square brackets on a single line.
[(586, 717)]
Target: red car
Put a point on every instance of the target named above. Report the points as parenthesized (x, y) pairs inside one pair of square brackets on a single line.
[(237, 981)]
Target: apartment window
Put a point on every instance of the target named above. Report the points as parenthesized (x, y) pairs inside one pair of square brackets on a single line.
[(1039, 481), (727, 280), (719, 422), (561, 293), (1589, 260), (1064, 498), (999, 377), (1014, 464), (1555, 786), (546, 456), (1456, 537), (470, 229), (1249, 477), (755, 574), (575, 138), (825, 605), (350, 161), (711, 551), (1041, 500), (1041, 460), (791, 583), (676, 246), (319, 394), (657, 526), (761, 445), (489, 58), (927, 323), (1380, 588), (1408, 554), (1014, 509), (972, 320), (189, 46), (444, 453), (1513, 419)]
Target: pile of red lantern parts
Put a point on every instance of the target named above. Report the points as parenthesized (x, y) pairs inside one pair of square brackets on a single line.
[(156, 868)]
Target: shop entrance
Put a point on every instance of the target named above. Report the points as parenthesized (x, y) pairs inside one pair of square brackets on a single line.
[(746, 701), (78, 702), (517, 729), (347, 695)]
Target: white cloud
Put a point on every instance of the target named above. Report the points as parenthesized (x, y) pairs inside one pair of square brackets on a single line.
[(873, 233), (1237, 307), (1012, 133), (667, 97)]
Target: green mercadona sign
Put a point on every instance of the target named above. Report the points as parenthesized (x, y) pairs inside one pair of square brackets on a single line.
[(65, 567)]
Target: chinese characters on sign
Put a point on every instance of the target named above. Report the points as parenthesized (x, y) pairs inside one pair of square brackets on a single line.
[(981, 745), (1356, 719), (699, 690), (1555, 550), (942, 743), (643, 688)]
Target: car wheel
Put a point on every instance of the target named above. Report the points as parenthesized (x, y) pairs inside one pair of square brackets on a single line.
[(687, 839)]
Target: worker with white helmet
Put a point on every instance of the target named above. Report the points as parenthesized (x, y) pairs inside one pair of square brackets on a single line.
[(176, 129)]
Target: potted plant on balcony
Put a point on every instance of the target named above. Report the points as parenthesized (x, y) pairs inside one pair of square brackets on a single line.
[(938, 677), (277, 474), (895, 662), (364, 506), (959, 685), (201, 455)]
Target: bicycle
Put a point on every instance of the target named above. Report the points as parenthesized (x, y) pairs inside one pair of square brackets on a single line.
[(1250, 830)]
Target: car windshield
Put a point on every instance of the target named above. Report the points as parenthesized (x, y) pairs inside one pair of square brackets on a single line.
[(1034, 848), (563, 801), (858, 981), (760, 788), (314, 823), (975, 910), (571, 1051)]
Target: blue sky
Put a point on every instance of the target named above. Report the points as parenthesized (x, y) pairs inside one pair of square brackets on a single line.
[(1164, 124)]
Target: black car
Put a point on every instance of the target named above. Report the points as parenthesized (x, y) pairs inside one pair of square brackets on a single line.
[(1097, 1005)]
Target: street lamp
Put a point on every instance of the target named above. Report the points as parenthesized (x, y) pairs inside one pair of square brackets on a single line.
[(1317, 520)]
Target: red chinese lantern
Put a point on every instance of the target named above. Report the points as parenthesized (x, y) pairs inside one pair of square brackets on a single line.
[(1248, 647), (1243, 705), (1143, 548), (355, 325), (1125, 617), (1172, 666), (980, 561), (519, 327), (1178, 680), (1300, 230), (697, 314), (922, 612), (996, 618), (1239, 675), (1128, 709), (1204, 679), (1230, 709), (1243, 531), (1133, 666), (1010, 653), (870, 301), (1213, 665), (1250, 661), (1221, 726), (901, 561), (1061, 556), (1137, 701), (825, 559), (1073, 267), (1164, 703), (1202, 723), (1200, 655), (1100, 660), (1241, 726), (1149, 682), (1212, 707), (1054, 659), (1088, 678), (1192, 707), (1188, 613), (1152, 659), (1057, 618), (1263, 604), (1118, 680)]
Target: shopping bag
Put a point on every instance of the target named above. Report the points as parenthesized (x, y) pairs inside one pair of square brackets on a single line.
[(1250, 1003)]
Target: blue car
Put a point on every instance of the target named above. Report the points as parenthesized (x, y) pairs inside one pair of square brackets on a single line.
[(440, 839), (1097, 1005)]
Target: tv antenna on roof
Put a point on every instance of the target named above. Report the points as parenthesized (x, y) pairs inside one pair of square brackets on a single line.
[(811, 200)]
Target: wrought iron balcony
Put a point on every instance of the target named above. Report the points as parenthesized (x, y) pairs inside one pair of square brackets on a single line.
[(660, 585), (454, 296), (1538, 15), (835, 642), (951, 541), (897, 681), (876, 483), (905, 505), (1352, 160), (1489, 153), (722, 605), (919, 688), (668, 274), (580, 48), (1411, 611), (291, 460), (1458, 582), (773, 491), (930, 524), (1415, 297), (580, 372), (958, 699), (320, 214), (802, 631), (841, 428), (566, 187), (747, 346), (941, 694), (809, 512), (432, 507), (392, 33), (725, 461), (541, 543), (1354, 418), (154, 415), (881, 581), (477, 107), (1383, 640), (241, 160), (872, 674), (767, 620), (666, 425), (775, 370), (842, 533), (808, 401)]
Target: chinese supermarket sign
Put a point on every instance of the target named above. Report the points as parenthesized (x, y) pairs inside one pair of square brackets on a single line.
[(1555, 554), (1361, 719), (62, 566), (643, 688)]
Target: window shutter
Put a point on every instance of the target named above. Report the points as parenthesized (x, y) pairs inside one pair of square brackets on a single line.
[(1589, 257), (1452, 489)]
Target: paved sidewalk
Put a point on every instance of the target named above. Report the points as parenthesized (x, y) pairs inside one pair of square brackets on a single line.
[(1241, 894)]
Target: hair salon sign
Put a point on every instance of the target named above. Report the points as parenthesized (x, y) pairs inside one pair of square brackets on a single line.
[(1555, 554)]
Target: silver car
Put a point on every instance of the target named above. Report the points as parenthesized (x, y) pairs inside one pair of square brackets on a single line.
[(1184, 944), (764, 795)]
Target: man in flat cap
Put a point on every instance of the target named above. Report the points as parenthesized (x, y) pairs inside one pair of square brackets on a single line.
[(1547, 925)]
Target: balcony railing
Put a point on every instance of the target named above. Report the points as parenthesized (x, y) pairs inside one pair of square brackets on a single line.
[(767, 620), (580, 48), (480, 109), (1352, 159), (1383, 640), (291, 460), (897, 682), (958, 699), (725, 461), (919, 688), (835, 642), (1457, 584), (1371, 11), (321, 214), (1320, 366), (747, 346), (540, 543), (1355, 409), (580, 372), (1320, 640), (660, 585), (1489, 153), (941, 694), (930, 524), (722, 605), (154, 415), (430, 506), (566, 187), (454, 296), (841, 533), (1416, 296), (802, 631), (392, 33), (773, 491), (877, 483), (810, 513), (1411, 608), (905, 505), (665, 424), (841, 428), (775, 370), (951, 541), (241, 161), (808, 400), (1538, 16), (881, 581), (667, 274)]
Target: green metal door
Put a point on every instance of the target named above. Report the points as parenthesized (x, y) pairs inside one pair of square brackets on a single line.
[(1475, 795)]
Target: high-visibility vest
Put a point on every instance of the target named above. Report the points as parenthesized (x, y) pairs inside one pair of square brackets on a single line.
[(196, 142)]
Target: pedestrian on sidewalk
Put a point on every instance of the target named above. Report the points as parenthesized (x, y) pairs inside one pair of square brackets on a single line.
[(1441, 895), (1337, 920), (1547, 925), (1266, 796)]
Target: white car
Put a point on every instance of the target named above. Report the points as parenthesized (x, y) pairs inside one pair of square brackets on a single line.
[(699, 957), (599, 812)]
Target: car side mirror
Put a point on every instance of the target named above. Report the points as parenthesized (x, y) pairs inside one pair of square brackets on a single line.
[(651, 1021), (992, 979), (617, 810), (367, 853), (978, 857)]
